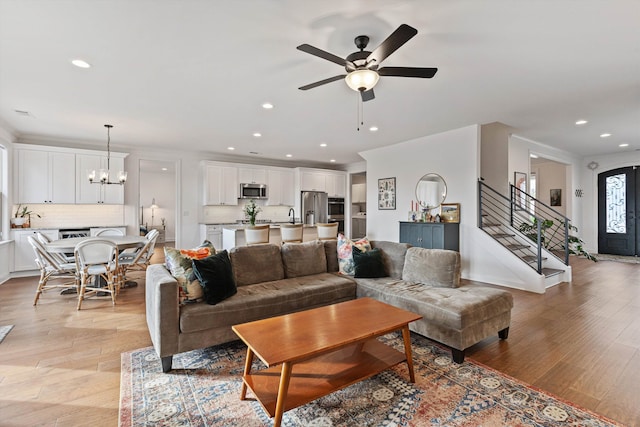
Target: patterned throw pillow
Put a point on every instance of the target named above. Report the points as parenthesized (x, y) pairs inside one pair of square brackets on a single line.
[(179, 263), (345, 253)]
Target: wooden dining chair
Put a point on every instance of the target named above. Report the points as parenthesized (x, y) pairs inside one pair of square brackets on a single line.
[(291, 233), (327, 231), (51, 269), (257, 234), (97, 259)]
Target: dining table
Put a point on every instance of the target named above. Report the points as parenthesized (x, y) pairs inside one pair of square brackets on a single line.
[(123, 242)]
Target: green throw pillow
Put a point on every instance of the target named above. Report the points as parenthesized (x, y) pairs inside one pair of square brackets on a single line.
[(368, 264), (216, 277)]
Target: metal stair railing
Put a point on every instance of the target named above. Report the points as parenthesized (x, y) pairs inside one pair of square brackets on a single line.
[(524, 225)]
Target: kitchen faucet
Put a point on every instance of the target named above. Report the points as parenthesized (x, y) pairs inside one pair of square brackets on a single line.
[(293, 218)]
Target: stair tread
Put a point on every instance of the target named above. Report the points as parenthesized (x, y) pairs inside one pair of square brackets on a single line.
[(531, 258), (548, 272), (501, 235), (516, 247)]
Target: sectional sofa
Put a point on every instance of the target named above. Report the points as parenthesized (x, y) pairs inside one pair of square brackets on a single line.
[(274, 280)]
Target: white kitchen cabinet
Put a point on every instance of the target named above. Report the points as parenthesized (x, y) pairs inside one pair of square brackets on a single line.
[(280, 184), (336, 184), (90, 193), (359, 193), (23, 255), (313, 181), (252, 175), (220, 185), (46, 177), (212, 233)]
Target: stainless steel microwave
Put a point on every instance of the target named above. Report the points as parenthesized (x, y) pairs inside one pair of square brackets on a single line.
[(253, 191)]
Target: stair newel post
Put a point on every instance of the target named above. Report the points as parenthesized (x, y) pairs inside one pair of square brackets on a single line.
[(539, 225), (566, 241), (480, 204)]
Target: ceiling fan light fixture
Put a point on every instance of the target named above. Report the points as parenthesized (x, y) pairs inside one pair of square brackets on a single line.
[(362, 80)]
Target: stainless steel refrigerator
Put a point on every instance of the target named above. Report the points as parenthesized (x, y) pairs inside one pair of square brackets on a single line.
[(314, 207)]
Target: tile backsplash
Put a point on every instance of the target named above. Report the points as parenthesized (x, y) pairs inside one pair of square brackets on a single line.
[(73, 216), (224, 214)]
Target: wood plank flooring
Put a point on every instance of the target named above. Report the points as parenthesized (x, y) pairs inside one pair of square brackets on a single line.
[(581, 342)]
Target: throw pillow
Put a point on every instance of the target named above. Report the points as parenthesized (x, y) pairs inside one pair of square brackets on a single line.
[(216, 277), (368, 264), (304, 259), (178, 262), (345, 257)]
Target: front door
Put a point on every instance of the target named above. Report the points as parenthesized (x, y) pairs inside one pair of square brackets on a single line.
[(617, 207)]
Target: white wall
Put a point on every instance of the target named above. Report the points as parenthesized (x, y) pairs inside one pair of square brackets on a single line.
[(161, 187), (552, 175)]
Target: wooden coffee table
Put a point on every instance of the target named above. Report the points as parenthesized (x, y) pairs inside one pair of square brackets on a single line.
[(331, 348)]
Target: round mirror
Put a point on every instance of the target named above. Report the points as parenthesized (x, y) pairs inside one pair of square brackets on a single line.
[(431, 191)]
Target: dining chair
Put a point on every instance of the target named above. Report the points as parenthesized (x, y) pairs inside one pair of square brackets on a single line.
[(291, 233), (327, 231), (257, 234), (62, 258), (109, 232), (50, 269), (140, 258), (97, 260)]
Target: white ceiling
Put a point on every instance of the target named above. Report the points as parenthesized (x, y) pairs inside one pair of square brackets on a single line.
[(193, 74)]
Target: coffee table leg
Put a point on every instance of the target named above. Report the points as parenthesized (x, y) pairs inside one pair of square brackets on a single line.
[(247, 370), (406, 335), (282, 393)]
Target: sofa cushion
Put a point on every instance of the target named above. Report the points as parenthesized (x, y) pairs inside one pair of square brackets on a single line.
[(437, 267), (345, 256), (216, 277), (331, 252), (179, 263), (269, 299), (303, 259), (256, 264), (455, 308), (393, 255), (369, 263)]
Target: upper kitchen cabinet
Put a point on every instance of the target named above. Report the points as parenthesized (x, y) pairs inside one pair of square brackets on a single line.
[(280, 185), (220, 184), (247, 175), (89, 193), (359, 193), (46, 176), (313, 181), (336, 184)]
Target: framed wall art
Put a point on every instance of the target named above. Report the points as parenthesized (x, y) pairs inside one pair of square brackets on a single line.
[(387, 193), (555, 197), (450, 212)]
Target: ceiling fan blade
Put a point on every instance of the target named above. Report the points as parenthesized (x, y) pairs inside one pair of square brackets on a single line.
[(367, 95), (325, 55), (425, 73), (399, 37), (322, 82)]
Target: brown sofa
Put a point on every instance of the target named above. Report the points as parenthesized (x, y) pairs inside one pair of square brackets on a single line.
[(273, 280)]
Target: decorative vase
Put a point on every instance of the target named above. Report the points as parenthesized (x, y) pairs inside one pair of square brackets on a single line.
[(18, 222)]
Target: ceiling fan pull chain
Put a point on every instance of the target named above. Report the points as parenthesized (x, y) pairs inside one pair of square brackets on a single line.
[(358, 112)]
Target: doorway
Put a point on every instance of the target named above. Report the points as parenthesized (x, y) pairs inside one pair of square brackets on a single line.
[(617, 206), (157, 198)]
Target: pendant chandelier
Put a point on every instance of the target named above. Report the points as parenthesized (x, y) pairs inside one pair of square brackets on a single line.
[(103, 175)]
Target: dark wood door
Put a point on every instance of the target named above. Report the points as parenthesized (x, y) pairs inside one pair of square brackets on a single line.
[(617, 211)]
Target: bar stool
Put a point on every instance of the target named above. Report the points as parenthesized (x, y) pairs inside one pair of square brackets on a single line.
[(257, 234), (327, 231), (291, 233)]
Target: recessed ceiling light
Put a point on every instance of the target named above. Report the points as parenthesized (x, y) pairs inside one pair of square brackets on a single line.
[(257, 134), (80, 63), (289, 155), (581, 122), (323, 145), (623, 145), (165, 169), (267, 106), (605, 135), (373, 128), (533, 156), (231, 148), (332, 160)]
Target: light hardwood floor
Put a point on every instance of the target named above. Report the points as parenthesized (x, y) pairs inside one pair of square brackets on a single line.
[(581, 342)]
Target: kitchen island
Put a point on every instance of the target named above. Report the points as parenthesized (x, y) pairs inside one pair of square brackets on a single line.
[(233, 235)]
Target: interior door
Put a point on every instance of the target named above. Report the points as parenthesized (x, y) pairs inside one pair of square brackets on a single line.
[(617, 208)]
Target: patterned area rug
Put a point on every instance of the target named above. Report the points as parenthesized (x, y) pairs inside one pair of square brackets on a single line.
[(205, 390), (4, 331)]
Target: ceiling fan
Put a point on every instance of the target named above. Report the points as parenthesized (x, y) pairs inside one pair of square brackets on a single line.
[(362, 67)]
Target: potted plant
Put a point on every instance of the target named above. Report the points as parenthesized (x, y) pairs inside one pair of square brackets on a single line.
[(251, 210), (22, 216)]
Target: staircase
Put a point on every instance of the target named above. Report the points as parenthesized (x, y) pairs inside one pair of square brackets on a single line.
[(526, 227)]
